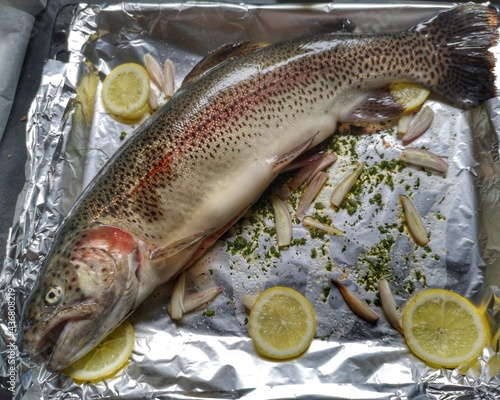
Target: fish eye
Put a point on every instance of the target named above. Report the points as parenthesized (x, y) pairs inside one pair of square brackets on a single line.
[(53, 295)]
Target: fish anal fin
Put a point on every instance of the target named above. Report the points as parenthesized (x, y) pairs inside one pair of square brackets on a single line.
[(280, 162), (218, 56), (376, 106)]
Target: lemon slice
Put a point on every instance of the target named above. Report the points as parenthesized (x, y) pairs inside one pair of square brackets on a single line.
[(410, 95), (282, 323), (107, 358), (443, 328), (125, 90)]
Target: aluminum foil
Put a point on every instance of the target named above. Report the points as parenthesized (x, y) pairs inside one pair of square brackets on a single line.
[(209, 354)]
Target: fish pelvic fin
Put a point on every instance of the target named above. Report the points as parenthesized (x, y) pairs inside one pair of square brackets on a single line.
[(171, 249), (462, 38)]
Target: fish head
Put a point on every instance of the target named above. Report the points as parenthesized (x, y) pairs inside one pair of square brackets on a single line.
[(88, 287)]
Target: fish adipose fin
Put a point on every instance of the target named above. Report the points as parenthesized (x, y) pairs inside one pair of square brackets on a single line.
[(462, 38)]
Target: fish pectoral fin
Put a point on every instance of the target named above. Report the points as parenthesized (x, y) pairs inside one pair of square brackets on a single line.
[(160, 253), (280, 162), (220, 55), (377, 106)]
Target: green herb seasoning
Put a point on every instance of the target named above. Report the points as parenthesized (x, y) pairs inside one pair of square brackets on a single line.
[(209, 313), (350, 205), (316, 233), (299, 242), (375, 264), (326, 293), (319, 206), (409, 286), (377, 199), (314, 253)]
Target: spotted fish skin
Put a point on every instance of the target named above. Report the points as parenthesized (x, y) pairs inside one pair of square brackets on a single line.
[(192, 169)]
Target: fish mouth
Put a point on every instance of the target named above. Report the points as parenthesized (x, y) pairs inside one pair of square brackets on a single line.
[(62, 342), (60, 352), (52, 344), (51, 338)]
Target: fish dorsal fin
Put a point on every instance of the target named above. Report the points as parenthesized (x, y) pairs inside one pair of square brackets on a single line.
[(220, 55), (376, 106)]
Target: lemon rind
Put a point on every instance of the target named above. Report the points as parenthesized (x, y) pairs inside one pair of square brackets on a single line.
[(131, 112), (449, 362), (84, 375), (269, 351)]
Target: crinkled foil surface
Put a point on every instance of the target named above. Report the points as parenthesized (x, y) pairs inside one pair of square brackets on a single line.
[(210, 354)]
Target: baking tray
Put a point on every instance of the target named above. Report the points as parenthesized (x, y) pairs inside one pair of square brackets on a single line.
[(69, 138)]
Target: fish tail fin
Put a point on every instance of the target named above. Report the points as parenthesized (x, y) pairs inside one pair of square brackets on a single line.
[(463, 37)]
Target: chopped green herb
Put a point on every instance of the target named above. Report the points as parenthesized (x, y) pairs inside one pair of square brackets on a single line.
[(316, 233), (209, 313), (299, 242), (319, 206), (314, 253), (350, 205), (409, 286), (377, 199), (376, 262)]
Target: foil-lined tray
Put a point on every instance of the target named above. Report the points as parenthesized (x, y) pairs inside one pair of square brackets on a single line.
[(208, 354)]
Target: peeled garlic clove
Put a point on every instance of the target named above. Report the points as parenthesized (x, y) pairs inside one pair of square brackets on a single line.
[(340, 192), (357, 306), (419, 124), (310, 193), (176, 306), (404, 123), (283, 222), (413, 221), (306, 174), (154, 70), (169, 74), (311, 222), (389, 305), (198, 299), (423, 158), (153, 100), (248, 301), (325, 161)]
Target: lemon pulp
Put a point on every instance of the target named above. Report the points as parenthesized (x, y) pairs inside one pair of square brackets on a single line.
[(443, 328), (125, 91), (282, 323), (410, 95), (107, 358)]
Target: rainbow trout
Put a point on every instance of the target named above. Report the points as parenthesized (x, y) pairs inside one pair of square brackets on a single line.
[(198, 163)]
